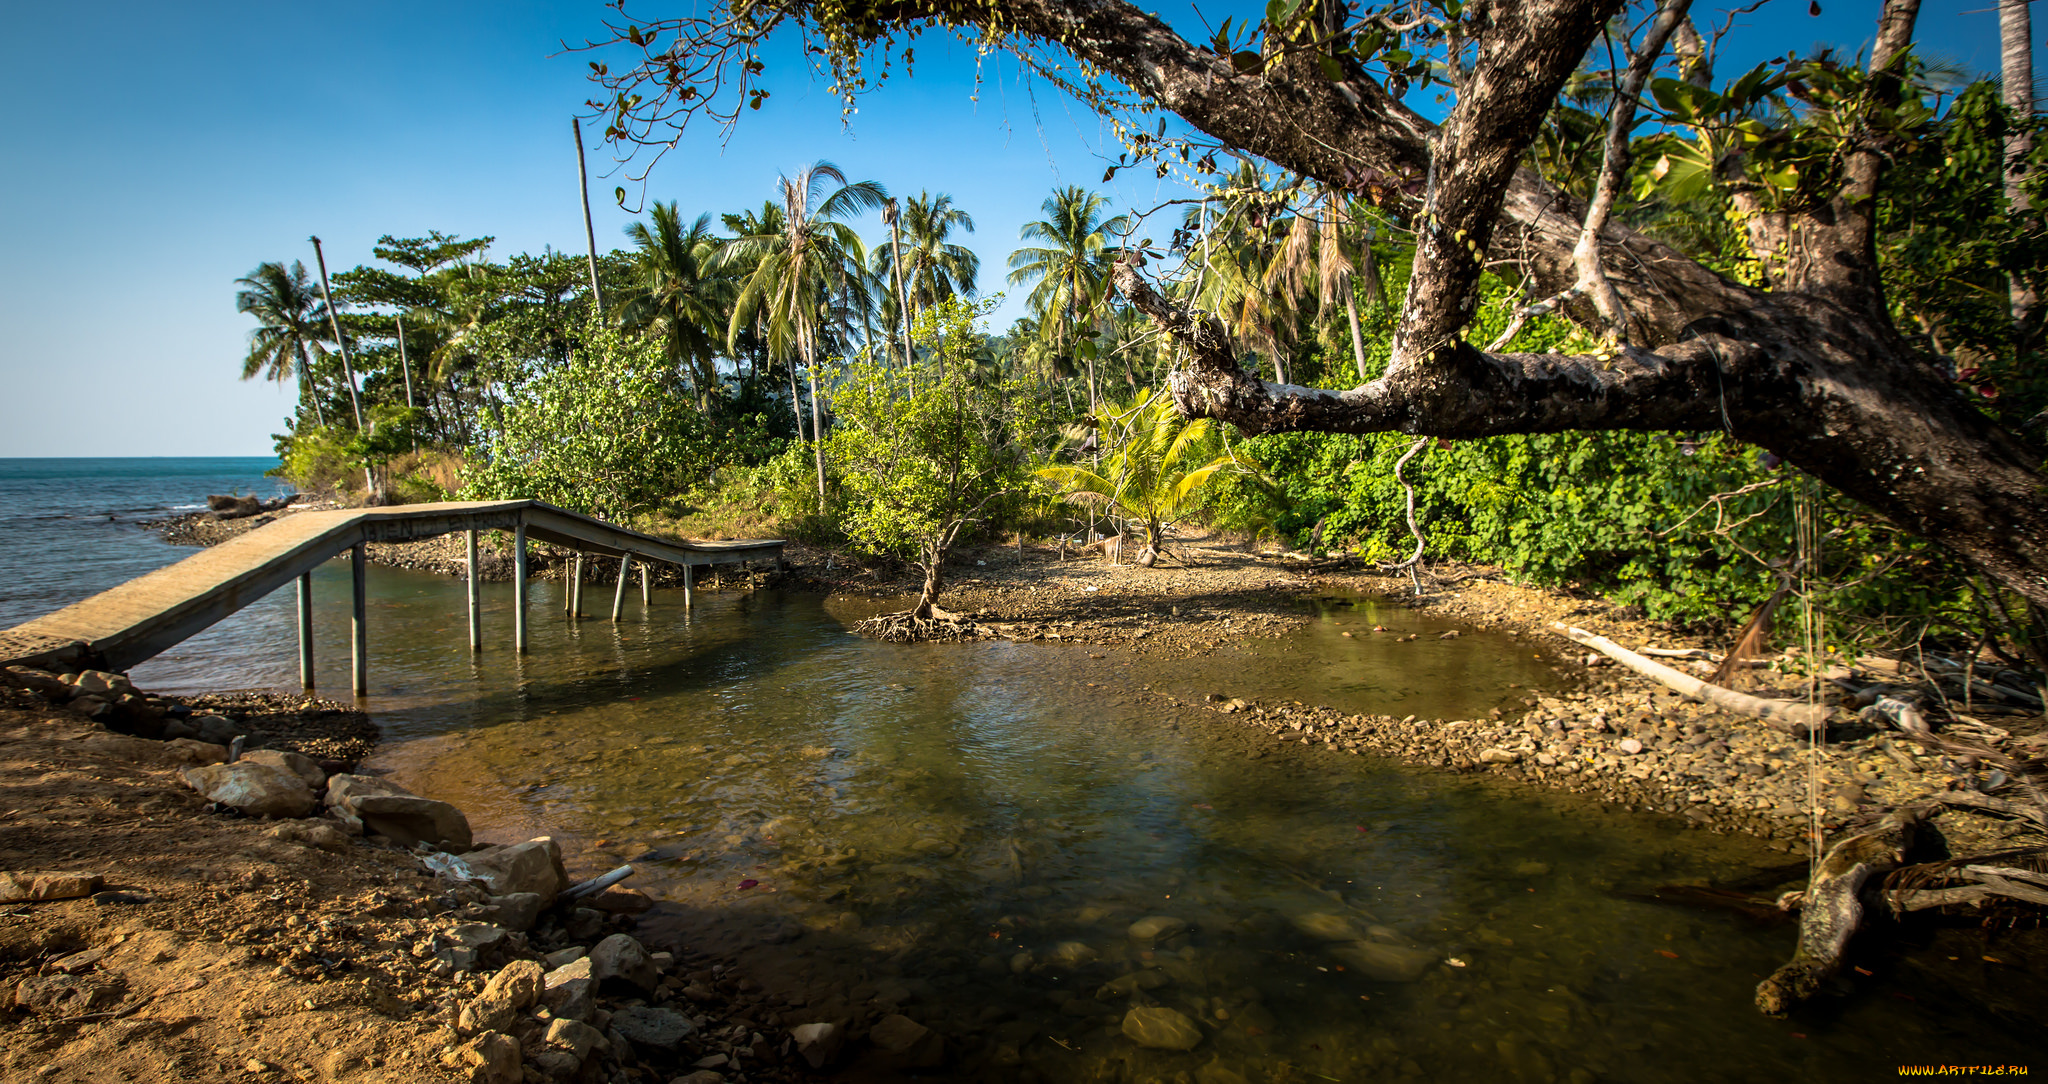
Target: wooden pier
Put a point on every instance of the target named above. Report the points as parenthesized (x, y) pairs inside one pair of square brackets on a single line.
[(116, 629)]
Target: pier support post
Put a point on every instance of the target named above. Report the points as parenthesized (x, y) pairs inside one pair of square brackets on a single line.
[(359, 652), (646, 587), (576, 588), (306, 631), (619, 594), (476, 601), (519, 587), (689, 585)]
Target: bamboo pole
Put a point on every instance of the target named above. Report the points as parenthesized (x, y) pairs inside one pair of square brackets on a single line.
[(1783, 714)]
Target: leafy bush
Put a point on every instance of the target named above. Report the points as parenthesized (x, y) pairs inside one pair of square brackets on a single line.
[(611, 432)]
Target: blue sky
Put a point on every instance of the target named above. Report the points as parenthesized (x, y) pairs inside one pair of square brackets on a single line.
[(164, 150)]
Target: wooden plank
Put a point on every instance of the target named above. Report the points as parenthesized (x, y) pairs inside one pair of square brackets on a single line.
[(121, 627)]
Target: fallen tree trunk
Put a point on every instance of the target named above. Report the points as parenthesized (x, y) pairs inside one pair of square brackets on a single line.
[(1783, 714), (1833, 908)]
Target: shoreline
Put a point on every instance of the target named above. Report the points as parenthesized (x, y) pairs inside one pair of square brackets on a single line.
[(1620, 739), (317, 933)]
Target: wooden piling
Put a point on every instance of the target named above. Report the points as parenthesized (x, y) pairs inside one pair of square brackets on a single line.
[(646, 587), (360, 649), (476, 600), (306, 631), (519, 587), (689, 585), (576, 588), (619, 593)]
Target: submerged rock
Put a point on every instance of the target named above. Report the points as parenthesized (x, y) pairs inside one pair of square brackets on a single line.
[(1327, 927), (1156, 928), (1161, 1028), (1382, 962)]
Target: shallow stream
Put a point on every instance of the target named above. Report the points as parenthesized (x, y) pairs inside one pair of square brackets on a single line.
[(970, 832)]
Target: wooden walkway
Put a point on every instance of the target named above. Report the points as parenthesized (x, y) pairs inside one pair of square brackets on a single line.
[(117, 629)]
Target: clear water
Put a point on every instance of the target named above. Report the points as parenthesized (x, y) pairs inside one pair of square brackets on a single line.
[(969, 831)]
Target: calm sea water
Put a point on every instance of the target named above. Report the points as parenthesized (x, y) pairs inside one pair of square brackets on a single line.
[(71, 528), (969, 831)]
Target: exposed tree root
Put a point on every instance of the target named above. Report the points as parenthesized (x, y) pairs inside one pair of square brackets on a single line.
[(906, 627), (1832, 908)]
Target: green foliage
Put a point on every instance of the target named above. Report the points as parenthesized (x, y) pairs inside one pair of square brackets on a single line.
[(921, 457), (1155, 468), (611, 432)]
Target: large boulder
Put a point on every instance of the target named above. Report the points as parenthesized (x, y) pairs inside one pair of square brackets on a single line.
[(298, 764), (533, 866), (259, 790), (390, 810)]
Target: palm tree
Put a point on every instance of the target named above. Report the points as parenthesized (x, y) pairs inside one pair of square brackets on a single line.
[(290, 327), (932, 270), (797, 270), (1070, 268), (1150, 476), (681, 296)]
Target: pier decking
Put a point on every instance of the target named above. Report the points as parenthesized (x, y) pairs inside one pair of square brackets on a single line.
[(118, 628)]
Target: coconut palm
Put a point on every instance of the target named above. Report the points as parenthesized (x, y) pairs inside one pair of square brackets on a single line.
[(681, 296), (1070, 268), (291, 327), (932, 269), (1155, 464), (796, 272)]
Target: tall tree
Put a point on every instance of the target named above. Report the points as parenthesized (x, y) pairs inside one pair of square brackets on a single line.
[(290, 329), (796, 271), (1070, 267), (933, 269), (1804, 360), (682, 299)]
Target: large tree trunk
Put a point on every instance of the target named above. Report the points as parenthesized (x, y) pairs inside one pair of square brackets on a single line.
[(1810, 369)]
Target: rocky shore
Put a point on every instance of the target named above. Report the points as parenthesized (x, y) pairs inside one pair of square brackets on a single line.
[(226, 900)]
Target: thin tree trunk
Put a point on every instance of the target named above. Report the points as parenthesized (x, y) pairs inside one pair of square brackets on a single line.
[(309, 388), (1357, 339), (896, 272), (817, 434), (2016, 56), (348, 367), (404, 366), (589, 231)]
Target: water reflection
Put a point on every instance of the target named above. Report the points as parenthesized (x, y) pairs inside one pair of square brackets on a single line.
[(1017, 845)]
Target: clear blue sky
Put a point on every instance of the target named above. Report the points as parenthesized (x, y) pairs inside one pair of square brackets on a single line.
[(159, 151)]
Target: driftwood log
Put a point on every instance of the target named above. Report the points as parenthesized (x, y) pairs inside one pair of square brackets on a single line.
[(1783, 714), (1833, 908)]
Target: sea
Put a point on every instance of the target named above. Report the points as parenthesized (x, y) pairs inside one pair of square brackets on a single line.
[(71, 528)]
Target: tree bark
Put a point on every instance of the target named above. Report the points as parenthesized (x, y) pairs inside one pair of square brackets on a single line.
[(2016, 68), (1810, 369)]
